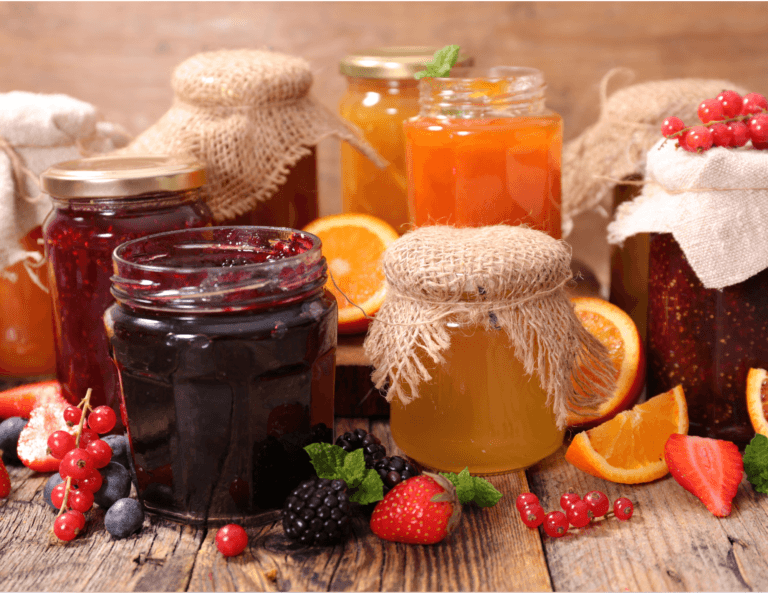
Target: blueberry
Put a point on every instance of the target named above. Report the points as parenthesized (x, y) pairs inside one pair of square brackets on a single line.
[(120, 450), (52, 482), (117, 485), (10, 429), (124, 517)]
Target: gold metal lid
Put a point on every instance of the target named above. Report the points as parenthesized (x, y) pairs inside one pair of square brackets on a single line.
[(392, 62), (121, 176)]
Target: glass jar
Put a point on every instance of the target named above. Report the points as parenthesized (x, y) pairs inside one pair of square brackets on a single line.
[(381, 94), (225, 341), (485, 151), (26, 320), (480, 409), (705, 339), (99, 203)]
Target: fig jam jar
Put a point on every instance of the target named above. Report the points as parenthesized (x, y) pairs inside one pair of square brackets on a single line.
[(225, 343), (99, 203), (706, 340)]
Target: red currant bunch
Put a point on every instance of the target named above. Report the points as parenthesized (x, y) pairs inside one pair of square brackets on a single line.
[(728, 120)]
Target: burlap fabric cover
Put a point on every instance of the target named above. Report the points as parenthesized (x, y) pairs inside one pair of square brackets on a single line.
[(629, 124), (715, 204), (248, 116), (505, 277), (37, 131)]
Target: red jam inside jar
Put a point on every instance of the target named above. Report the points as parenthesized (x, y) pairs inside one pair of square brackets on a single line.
[(225, 343), (100, 203), (706, 340)]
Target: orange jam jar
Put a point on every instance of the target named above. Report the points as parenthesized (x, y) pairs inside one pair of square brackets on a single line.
[(381, 94), (485, 151)]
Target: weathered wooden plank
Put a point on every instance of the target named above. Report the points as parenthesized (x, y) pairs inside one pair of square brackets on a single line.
[(672, 543)]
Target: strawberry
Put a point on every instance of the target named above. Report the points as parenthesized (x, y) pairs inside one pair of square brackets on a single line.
[(420, 510), (710, 469), (33, 440), (20, 400), (5, 481)]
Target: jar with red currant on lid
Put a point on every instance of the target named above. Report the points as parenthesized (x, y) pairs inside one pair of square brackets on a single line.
[(704, 205)]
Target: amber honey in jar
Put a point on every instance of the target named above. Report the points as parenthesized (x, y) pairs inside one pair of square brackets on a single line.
[(381, 94)]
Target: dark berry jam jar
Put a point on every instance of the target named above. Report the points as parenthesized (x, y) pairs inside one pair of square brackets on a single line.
[(225, 343), (99, 203), (706, 340)]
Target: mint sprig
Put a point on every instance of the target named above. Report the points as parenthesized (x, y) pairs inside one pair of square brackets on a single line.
[(334, 463), (756, 463), (442, 62), (473, 489)]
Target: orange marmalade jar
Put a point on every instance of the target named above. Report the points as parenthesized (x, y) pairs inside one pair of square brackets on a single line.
[(381, 93), (485, 151)]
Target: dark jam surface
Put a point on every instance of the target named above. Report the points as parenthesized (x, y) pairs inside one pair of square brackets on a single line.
[(219, 407), (79, 241), (706, 340)]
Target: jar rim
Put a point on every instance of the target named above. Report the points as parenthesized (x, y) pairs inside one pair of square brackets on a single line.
[(398, 62)]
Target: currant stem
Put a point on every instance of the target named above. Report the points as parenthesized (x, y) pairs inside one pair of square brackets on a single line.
[(66, 497), (86, 405)]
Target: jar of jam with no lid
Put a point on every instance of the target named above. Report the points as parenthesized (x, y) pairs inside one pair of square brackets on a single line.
[(706, 340), (99, 203), (225, 343)]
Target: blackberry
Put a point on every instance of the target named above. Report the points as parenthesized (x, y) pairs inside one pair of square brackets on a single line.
[(394, 470), (317, 512), (372, 448)]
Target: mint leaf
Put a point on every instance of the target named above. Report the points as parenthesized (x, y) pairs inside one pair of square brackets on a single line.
[(371, 489), (334, 463), (353, 468), (441, 64), (327, 459), (485, 494), (473, 489), (756, 463)]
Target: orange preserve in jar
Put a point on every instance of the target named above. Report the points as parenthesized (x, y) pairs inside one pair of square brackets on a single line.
[(381, 93), (485, 151)]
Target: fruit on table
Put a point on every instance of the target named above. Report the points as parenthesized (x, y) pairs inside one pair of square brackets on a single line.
[(120, 448), (231, 539), (618, 333), (421, 510), (710, 469), (757, 399), (359, 438), (116, 485), (125, 517), (623, 509), (353, 245), (10, 431), (317, 512), (629, 448), (33, 441), (21, 400), (5, 481), (394, 470)]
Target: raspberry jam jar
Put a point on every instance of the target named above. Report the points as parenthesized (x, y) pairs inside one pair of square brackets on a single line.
[(225, 343), (99, 203), (706, 340)]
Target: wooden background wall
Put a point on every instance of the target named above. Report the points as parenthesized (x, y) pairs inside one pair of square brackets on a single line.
[(119, 55)]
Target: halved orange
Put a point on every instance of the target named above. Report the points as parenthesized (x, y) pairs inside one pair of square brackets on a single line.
[(618, 333), (353, 245), (629, 448), (757, 399)]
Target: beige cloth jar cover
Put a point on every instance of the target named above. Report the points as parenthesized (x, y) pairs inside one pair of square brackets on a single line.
[(249, 117), (503, 277)]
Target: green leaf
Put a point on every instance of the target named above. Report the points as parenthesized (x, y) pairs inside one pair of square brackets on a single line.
[(334, 463), (327, 459), (756, 463), (371, 489), (473, 489), (441, 64), (353, 468)]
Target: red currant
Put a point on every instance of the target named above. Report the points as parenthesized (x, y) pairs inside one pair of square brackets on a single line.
[(623, 509), (72, 415), (597, 502), (567, 499), (60, 443), (231, 540), (758, 129), (555, 524), (739, 133), (710, 110), (80, 500), (102, 419), (87, 437), (671, 125), (579, 515), (682, 141), (100, 452), (753, 103), (699, 139), (92, 482), (76, 464), (57, 495), (532, 515), (721, 135), (526, 499), (68, 525), (731, 102)]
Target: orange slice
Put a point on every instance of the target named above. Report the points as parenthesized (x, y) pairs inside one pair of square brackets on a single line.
[(618, 333), (629, 448), (757, 399), (353, 245)]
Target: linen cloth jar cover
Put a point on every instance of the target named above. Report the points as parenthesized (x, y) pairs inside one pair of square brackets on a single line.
[(480, 347), (708, 278), (249, 117)]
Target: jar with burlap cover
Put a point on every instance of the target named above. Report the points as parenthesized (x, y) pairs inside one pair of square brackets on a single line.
[(507, 278), (249, 117)]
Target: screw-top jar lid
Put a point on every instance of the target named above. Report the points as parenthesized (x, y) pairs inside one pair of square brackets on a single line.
[(121, 176), (392, 62)]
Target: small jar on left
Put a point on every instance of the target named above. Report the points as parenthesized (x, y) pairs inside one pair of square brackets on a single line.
[(99, 203)]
